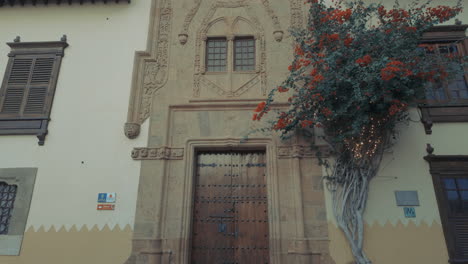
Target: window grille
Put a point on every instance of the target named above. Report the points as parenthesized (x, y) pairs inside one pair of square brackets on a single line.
[(7, 200)]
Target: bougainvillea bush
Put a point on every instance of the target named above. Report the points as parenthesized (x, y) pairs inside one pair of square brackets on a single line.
[(357, 68)]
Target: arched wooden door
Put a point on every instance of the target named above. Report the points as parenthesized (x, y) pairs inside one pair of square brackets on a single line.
[(230, 217)]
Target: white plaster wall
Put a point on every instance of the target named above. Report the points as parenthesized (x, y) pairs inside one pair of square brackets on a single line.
[(85, 151)]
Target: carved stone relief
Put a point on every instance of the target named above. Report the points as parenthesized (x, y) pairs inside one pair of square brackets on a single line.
[(297, 18), (162, 153), (278, 32), (151, 68), (156, 72), (300, 151)]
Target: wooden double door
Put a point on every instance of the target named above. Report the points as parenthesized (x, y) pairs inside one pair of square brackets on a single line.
[(230, 217)]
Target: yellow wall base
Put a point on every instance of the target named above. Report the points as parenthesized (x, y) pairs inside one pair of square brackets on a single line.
[(82, 246)]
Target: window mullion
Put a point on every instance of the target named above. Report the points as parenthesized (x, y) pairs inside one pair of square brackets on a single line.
[(230, 54), (27, 88), (230, 60)]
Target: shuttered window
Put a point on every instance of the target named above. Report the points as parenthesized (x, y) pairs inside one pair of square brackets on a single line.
[(450, 178), (28, 87)]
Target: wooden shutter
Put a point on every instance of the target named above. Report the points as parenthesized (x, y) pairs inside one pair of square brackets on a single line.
[(28, 86), (39, 86), (450, 178), (17, 80), (459, 228)]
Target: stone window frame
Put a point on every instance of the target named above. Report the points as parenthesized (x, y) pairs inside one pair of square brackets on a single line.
[(230, 53), (444, 112), (24, 178)]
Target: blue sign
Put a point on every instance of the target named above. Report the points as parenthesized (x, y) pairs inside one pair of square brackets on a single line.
[(410, 212), (106, 198)]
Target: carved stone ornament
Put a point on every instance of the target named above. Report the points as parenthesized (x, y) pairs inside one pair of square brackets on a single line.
[(299, 151), (297, 17), (229, 4), (183, 38), (161, 153), (151, 67), (132, 130), (278, 35)]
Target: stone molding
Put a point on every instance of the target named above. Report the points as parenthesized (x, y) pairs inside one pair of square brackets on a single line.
[(161, 153), (301, 151), (184, 33), (297, 17), (150, 71)]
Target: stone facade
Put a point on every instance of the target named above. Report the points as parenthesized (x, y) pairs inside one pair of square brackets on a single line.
[(190, 109)]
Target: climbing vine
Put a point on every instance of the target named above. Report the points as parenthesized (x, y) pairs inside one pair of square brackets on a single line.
[(357, 68)]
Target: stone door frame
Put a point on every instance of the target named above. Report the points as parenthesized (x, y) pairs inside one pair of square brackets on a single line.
[(264, 144)]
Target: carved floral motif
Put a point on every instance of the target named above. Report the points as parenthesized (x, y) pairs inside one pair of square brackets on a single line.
[(156, 72), (299, 151), (162, 153), (297, 17)]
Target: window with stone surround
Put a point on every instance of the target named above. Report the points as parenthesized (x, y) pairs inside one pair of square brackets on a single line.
[(239, 51), (16, 189)]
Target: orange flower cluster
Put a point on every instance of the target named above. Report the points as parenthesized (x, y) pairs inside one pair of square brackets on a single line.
[(318, 96), (260, 109), (326, 111), (316, 78), (298, 51), (364, 61), (281, 89), (328, 38), (392, 69), (411, 29), (337, 15), (443, 13), (282, 122), (299, 64), (396, 107), (306, 123), (395, 16), (348, 41)]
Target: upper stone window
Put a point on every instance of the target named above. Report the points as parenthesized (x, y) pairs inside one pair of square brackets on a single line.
[(244, 54), (216, 54)]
